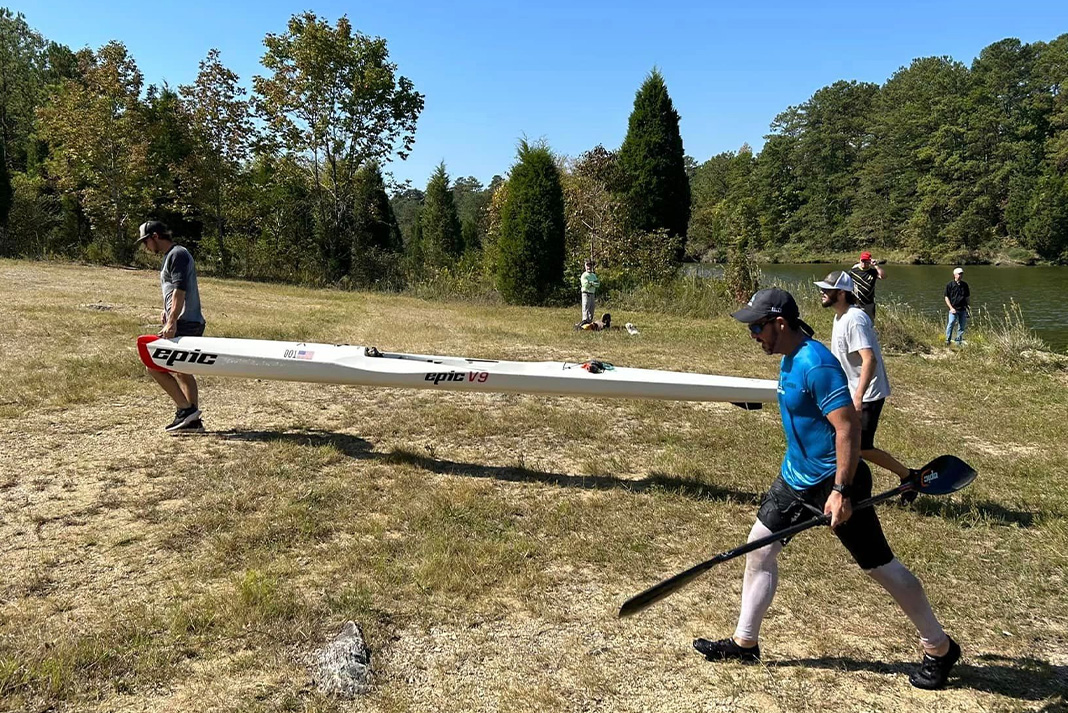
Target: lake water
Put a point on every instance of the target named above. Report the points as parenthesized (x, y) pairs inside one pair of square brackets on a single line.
[(1041, 292)]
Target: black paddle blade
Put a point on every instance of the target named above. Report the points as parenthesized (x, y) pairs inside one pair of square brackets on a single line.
[(748, 405), (655, 593), (944, 475)]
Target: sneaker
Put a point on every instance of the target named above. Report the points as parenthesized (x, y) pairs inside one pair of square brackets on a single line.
[(726, 650), (182, 417), (934, 670), (196, 426)]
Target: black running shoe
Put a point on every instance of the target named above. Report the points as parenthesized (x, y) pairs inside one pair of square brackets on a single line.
[(726, 650), (934, 670), (196, 426), (183, 416)]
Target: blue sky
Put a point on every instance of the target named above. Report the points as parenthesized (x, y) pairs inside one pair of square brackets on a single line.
[(494, 72)]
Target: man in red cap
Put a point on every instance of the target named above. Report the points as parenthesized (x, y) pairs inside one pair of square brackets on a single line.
[(864, 275)]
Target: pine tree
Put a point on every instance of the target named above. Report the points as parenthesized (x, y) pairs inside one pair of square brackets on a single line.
[(530, 250), (7, 195), (653, 164), (441, 239), (375, 226)]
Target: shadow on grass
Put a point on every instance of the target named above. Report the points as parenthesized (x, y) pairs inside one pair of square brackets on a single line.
[(1027, 679), (352, 446), (967, 513), (355, 447), (655, 482)]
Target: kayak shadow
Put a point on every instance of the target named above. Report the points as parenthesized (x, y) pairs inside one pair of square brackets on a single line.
[(356, 447), (655, 482), (351, 446), (1025, 678)]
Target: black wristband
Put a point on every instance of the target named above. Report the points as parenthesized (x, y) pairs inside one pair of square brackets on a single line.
[(845, 490)]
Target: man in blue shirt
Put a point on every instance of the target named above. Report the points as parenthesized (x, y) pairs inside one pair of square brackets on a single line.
[(181, 317), (822, 472)]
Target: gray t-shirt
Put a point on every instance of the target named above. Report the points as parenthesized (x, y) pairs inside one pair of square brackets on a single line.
[(178, 273), (852, 332)]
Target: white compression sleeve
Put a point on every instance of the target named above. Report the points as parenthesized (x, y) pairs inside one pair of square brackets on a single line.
[(758, 586), (908, 592)]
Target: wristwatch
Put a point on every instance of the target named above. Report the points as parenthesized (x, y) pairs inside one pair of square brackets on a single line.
[(845, 490)]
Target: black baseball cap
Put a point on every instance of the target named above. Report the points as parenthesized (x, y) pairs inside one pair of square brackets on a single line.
[(772, 302), (150, 228)]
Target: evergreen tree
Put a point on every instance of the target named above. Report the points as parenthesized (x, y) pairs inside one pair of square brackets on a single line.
[(7, 195), (406, 206), (375, 226), (832, 130), (442, 241), (906, 192), (471, 202), (530, 249), (21, 85), (653, 164)]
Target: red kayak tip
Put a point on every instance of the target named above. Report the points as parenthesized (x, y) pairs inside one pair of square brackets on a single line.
[(142, 350)]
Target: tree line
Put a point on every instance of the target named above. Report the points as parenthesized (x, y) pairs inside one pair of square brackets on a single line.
[(290, 181), (943, 162)]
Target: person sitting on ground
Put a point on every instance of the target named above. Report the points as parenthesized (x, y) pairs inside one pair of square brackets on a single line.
[(604, 323)]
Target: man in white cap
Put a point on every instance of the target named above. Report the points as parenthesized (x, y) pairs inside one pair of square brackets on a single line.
[(856, 346), (957, 296), (181, 318)]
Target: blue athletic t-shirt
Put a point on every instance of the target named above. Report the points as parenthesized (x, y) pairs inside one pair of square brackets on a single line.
[(811, 385)]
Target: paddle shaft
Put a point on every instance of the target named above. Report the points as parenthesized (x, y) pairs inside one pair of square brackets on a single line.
[(657, 592)]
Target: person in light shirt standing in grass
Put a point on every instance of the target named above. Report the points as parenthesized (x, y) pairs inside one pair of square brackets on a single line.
[(856, 347), (181, 317), (589, 283)]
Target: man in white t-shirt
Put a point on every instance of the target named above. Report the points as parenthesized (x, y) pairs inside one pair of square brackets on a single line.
[(855, 345)]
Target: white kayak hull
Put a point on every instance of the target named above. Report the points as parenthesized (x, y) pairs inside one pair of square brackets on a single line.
[(345, 364)]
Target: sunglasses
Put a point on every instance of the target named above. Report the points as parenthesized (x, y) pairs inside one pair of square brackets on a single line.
[(757, 327)]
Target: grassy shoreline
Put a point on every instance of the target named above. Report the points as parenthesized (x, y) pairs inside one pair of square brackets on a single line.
[(790, 254), (483, 542)]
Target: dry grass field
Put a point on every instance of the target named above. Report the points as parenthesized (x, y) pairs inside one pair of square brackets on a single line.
[(484, 542)]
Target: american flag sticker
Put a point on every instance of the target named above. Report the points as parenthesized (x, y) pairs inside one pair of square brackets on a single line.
[(302, 354)]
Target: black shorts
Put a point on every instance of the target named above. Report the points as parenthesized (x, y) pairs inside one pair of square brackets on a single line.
[(869, 421), (862, 534), (190, 329)]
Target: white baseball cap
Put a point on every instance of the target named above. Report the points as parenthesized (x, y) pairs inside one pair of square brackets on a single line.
[(837, 280), (958, 271)]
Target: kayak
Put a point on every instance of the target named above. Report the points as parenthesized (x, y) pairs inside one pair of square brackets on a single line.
[(366, 366)]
